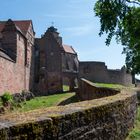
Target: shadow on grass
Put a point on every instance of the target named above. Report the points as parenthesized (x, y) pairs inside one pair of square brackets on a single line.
[(72, 99)]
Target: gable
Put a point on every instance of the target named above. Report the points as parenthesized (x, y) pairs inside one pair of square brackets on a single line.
[(23, 25), (69, 49)]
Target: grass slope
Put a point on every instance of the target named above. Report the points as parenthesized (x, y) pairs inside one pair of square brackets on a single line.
[(110, 85), (45, 101)]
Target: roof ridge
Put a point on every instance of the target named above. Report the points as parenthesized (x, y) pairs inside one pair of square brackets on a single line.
[(69, 49), (73, 49)]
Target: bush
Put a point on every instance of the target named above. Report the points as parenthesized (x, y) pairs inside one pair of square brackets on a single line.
[(6, 98), (135, 134)]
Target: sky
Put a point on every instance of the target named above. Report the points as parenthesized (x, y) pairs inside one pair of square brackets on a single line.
[(75, 21)]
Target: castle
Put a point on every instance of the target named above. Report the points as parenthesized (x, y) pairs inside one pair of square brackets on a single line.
[(16, 56), (43, 65), (34, 64), (56, 63)]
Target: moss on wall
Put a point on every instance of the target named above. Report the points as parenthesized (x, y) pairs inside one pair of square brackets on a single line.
[(105, 118)]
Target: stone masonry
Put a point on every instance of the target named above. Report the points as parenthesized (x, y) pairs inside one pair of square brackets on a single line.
[(16, 56), (55, 62), (43, 65), (99, 73), (108, 118)]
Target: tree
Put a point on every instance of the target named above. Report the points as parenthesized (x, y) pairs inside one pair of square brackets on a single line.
[(121, 18)]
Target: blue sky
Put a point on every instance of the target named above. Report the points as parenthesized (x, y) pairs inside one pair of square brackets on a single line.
[(76, 23)]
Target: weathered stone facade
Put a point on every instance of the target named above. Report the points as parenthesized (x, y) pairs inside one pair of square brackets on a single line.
[(87, 90), (42, 67), (55, 61), (16, 56), (46, 65), (70, 67), (98, 72)]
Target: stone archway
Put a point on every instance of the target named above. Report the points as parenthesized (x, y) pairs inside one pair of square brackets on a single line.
[(71, 81)]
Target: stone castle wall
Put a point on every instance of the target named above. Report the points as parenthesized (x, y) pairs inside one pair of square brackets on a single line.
[(108, 118), (50, 64), (88, 90), (12, 74), (56, 63), (16, 56), (98, 72)]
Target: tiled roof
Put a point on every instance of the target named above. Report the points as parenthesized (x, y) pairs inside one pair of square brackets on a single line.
[(69, 49), (23, 25)]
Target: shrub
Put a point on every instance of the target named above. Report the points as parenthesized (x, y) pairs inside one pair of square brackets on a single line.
[(6, 98), (135, 134)]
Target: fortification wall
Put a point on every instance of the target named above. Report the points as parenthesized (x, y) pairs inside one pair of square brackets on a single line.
[(98, 72), (12, 77), (109, 118), (12, 73), (116, 76), (88, 90), (8, 76), (88, 71)]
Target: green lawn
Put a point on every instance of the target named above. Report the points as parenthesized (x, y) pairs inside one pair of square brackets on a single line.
[(65, 88), (135, 133), (110, 85), (56, 99), (45, 101)]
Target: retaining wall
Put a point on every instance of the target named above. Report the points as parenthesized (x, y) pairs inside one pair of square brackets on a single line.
[(88, 90), (108, 118)]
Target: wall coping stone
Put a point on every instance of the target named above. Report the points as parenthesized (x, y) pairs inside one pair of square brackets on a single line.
[(98, 86), (60, 111)]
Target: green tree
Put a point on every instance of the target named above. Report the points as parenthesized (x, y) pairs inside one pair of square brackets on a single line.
[(121, 18)]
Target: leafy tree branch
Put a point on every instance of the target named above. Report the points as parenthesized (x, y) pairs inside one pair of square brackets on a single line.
[(121, 19)]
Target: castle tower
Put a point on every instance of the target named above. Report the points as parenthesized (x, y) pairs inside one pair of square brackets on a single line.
[(50, 62)]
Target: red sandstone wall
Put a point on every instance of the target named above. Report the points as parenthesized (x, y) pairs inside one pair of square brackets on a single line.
[(15, 77), (50, 64), (12, 75), (30, 59)]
